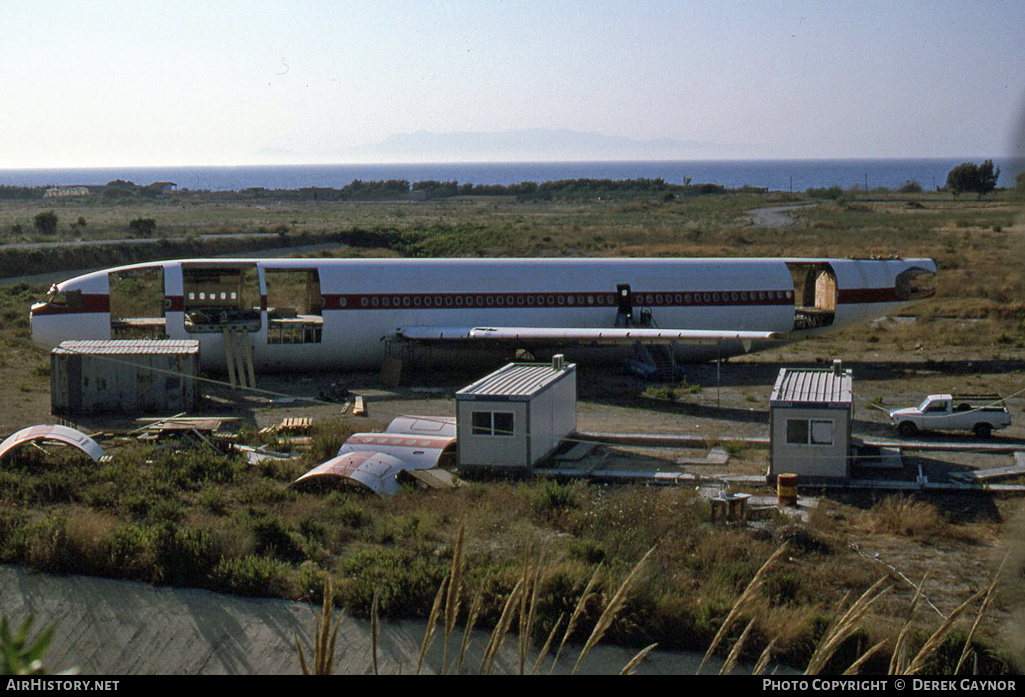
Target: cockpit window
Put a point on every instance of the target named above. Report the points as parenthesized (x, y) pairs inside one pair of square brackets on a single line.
[(915, 284), (67, 298)]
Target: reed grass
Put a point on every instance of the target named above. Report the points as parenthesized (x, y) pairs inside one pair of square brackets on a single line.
[(611, 610), (845, 627), (578, 610), (763, 660), (324, 637), (978, 618), (918, 663), (731, 659), (742, 602), (374, 630), (498, 635), (432, 623), (471, 620), (856, 667), (631, 667), (543, 653), (455, 590)]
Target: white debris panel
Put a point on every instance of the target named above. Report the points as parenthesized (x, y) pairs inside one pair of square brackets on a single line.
[(374, 461), (52, 433)]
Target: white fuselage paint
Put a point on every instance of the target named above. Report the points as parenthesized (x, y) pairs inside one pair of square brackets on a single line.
[(360, 317)]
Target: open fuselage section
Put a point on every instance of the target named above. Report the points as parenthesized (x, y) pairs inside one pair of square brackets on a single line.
[(349, 313)]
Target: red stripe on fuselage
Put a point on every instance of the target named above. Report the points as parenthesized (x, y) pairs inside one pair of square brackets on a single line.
[(862, 296), (448, 301), (400, 439), (94, 302)]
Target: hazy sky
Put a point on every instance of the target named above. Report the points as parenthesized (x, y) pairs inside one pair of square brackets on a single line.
[(218, 81)]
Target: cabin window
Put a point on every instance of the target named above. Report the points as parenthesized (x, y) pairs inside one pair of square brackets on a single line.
[(137, 303), (810, 431), (295, 306), (492, 423), (797, 431), (221, 296)]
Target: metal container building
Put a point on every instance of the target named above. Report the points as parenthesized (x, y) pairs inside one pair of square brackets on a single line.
[(516, 416), (131, 376), (810, 415)]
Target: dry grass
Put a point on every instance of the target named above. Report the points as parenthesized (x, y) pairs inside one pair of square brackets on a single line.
[(901, 515)]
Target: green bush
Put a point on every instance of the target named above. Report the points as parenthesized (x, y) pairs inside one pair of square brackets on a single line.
[(274, 539), (130, 549), (552, 496), (405, 579), (254, 576), (349, 512), (191, 469), (143, 227), (184, 557), (831, 192), (45, 222)]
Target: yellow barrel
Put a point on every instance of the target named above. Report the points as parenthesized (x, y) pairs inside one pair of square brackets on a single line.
[(786, 489)]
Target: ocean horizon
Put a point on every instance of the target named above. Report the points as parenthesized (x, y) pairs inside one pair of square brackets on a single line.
[(775, 175)]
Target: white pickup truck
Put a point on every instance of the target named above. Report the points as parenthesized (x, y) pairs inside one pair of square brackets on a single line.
[(979, 413)]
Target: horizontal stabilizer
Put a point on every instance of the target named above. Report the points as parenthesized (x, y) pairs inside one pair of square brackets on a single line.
[(583, 336)]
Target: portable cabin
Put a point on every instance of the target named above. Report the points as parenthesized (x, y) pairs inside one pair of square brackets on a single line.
[(516, 416), (810, 415), (126, 376)]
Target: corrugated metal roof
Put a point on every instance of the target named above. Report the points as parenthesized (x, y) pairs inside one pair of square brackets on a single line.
[(124, 347), (515, 380), (812, 387)]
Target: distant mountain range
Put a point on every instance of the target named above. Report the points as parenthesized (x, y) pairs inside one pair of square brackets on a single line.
[(526, 145)]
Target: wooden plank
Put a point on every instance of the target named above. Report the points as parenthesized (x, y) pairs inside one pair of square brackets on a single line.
[(229, 355), (358, 407), (247, 352)]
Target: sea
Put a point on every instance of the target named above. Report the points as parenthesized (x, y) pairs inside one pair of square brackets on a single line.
[(775, 175)]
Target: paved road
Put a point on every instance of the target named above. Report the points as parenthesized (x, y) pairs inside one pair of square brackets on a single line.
[(775, 216)]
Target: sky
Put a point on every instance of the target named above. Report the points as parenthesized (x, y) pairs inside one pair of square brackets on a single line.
[(128, 83)]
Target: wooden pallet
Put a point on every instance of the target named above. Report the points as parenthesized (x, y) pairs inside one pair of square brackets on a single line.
[(296, 424)]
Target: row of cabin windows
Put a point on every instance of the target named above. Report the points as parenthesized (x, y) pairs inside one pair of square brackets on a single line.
[(511, 300), (492, 423), (202, 295), (809, 432)]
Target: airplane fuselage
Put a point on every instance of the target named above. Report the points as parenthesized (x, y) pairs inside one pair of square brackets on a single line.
[(349, 313)]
